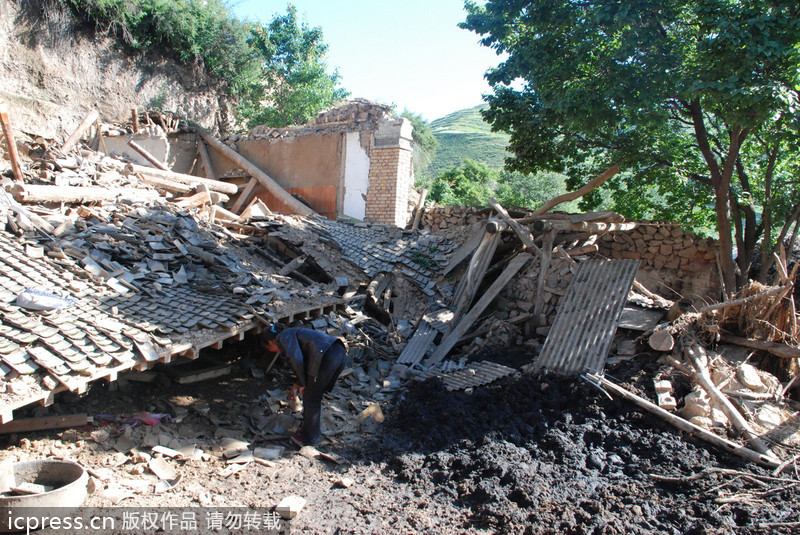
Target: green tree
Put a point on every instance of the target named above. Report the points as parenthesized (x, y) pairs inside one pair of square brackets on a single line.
[(424, 142), (531, 190), (471, 184), (295, 84), (696, 98)]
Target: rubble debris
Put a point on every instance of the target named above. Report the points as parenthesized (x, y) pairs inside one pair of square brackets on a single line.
[(684, 425), (290, 506)]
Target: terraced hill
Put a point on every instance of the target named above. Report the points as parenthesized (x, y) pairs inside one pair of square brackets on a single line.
[(464, 135)]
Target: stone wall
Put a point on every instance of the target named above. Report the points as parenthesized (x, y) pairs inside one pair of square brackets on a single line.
[(674, 262)]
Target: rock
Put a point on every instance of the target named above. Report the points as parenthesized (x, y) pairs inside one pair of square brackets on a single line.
[(290, 506), (748, 375)]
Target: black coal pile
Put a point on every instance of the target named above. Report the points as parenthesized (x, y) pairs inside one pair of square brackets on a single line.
[(548, 454)]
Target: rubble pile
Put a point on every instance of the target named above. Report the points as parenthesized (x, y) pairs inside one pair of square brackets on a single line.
[(357, 114)]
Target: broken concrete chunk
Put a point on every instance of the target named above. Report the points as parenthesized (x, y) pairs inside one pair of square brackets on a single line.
[(666, 401), (161, 468), (290, 506)]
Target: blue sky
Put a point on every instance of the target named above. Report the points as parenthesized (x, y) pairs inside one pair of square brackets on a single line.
[(409, 53)]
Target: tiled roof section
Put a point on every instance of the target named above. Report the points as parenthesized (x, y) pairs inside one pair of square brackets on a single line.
[(138, 284), (98, 336), (378, 248)]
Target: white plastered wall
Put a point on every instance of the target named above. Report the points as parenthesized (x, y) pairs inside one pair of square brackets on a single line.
[(356, 177)]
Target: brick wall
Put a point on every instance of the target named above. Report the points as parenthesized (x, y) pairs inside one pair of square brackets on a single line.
[(390, 177)]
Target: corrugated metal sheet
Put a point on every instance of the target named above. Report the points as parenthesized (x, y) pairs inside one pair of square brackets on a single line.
[(587, 319), (477, 374)]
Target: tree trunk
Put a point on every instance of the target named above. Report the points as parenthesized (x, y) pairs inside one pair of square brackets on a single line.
[(721, 181)]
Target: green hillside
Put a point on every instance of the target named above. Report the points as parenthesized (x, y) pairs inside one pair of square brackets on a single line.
[(464, 135)]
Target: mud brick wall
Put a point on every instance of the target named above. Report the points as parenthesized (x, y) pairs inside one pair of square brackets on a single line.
[(675, 262)]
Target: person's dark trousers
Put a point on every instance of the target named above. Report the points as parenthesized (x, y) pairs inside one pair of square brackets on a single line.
[(333, 363)]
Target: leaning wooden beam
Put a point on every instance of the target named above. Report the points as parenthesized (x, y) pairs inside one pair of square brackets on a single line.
[(464, 324), (69, 144), (580, 192), (523, 233), (478, 265), (272, 186), (684, 425), (696, 355), (420, 209), (206, 160), (213, 185), (779, 350), (545, 257), (463, 252), (29, 193), (11, 143), (244, 196), (581, 226), (147, 156)]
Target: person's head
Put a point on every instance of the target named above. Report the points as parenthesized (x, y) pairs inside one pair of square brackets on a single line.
[(267, 337)]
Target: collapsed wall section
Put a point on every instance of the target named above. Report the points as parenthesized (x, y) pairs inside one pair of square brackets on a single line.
[(353, 160), (675, 262)]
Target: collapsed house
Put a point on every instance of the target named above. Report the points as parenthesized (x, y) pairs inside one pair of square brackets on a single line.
[(117, 258)]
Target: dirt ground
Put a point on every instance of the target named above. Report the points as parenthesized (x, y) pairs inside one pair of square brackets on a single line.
[(525, 454)]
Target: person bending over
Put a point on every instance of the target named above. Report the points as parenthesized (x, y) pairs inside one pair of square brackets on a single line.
[(317, 359)]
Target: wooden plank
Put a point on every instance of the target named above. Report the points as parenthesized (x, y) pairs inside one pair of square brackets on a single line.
[(587, 318), (463, 326), (478, 265), (206, 160), (464, 251), (45, 422), (244, 196)]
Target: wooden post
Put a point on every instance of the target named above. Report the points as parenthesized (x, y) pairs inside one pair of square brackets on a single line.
[(147, 156), (100, 137), (463, 326), (420, 208), (206, 159), (69, 144), (272, 186), (135, 119), (544, 265), (11, 142)]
